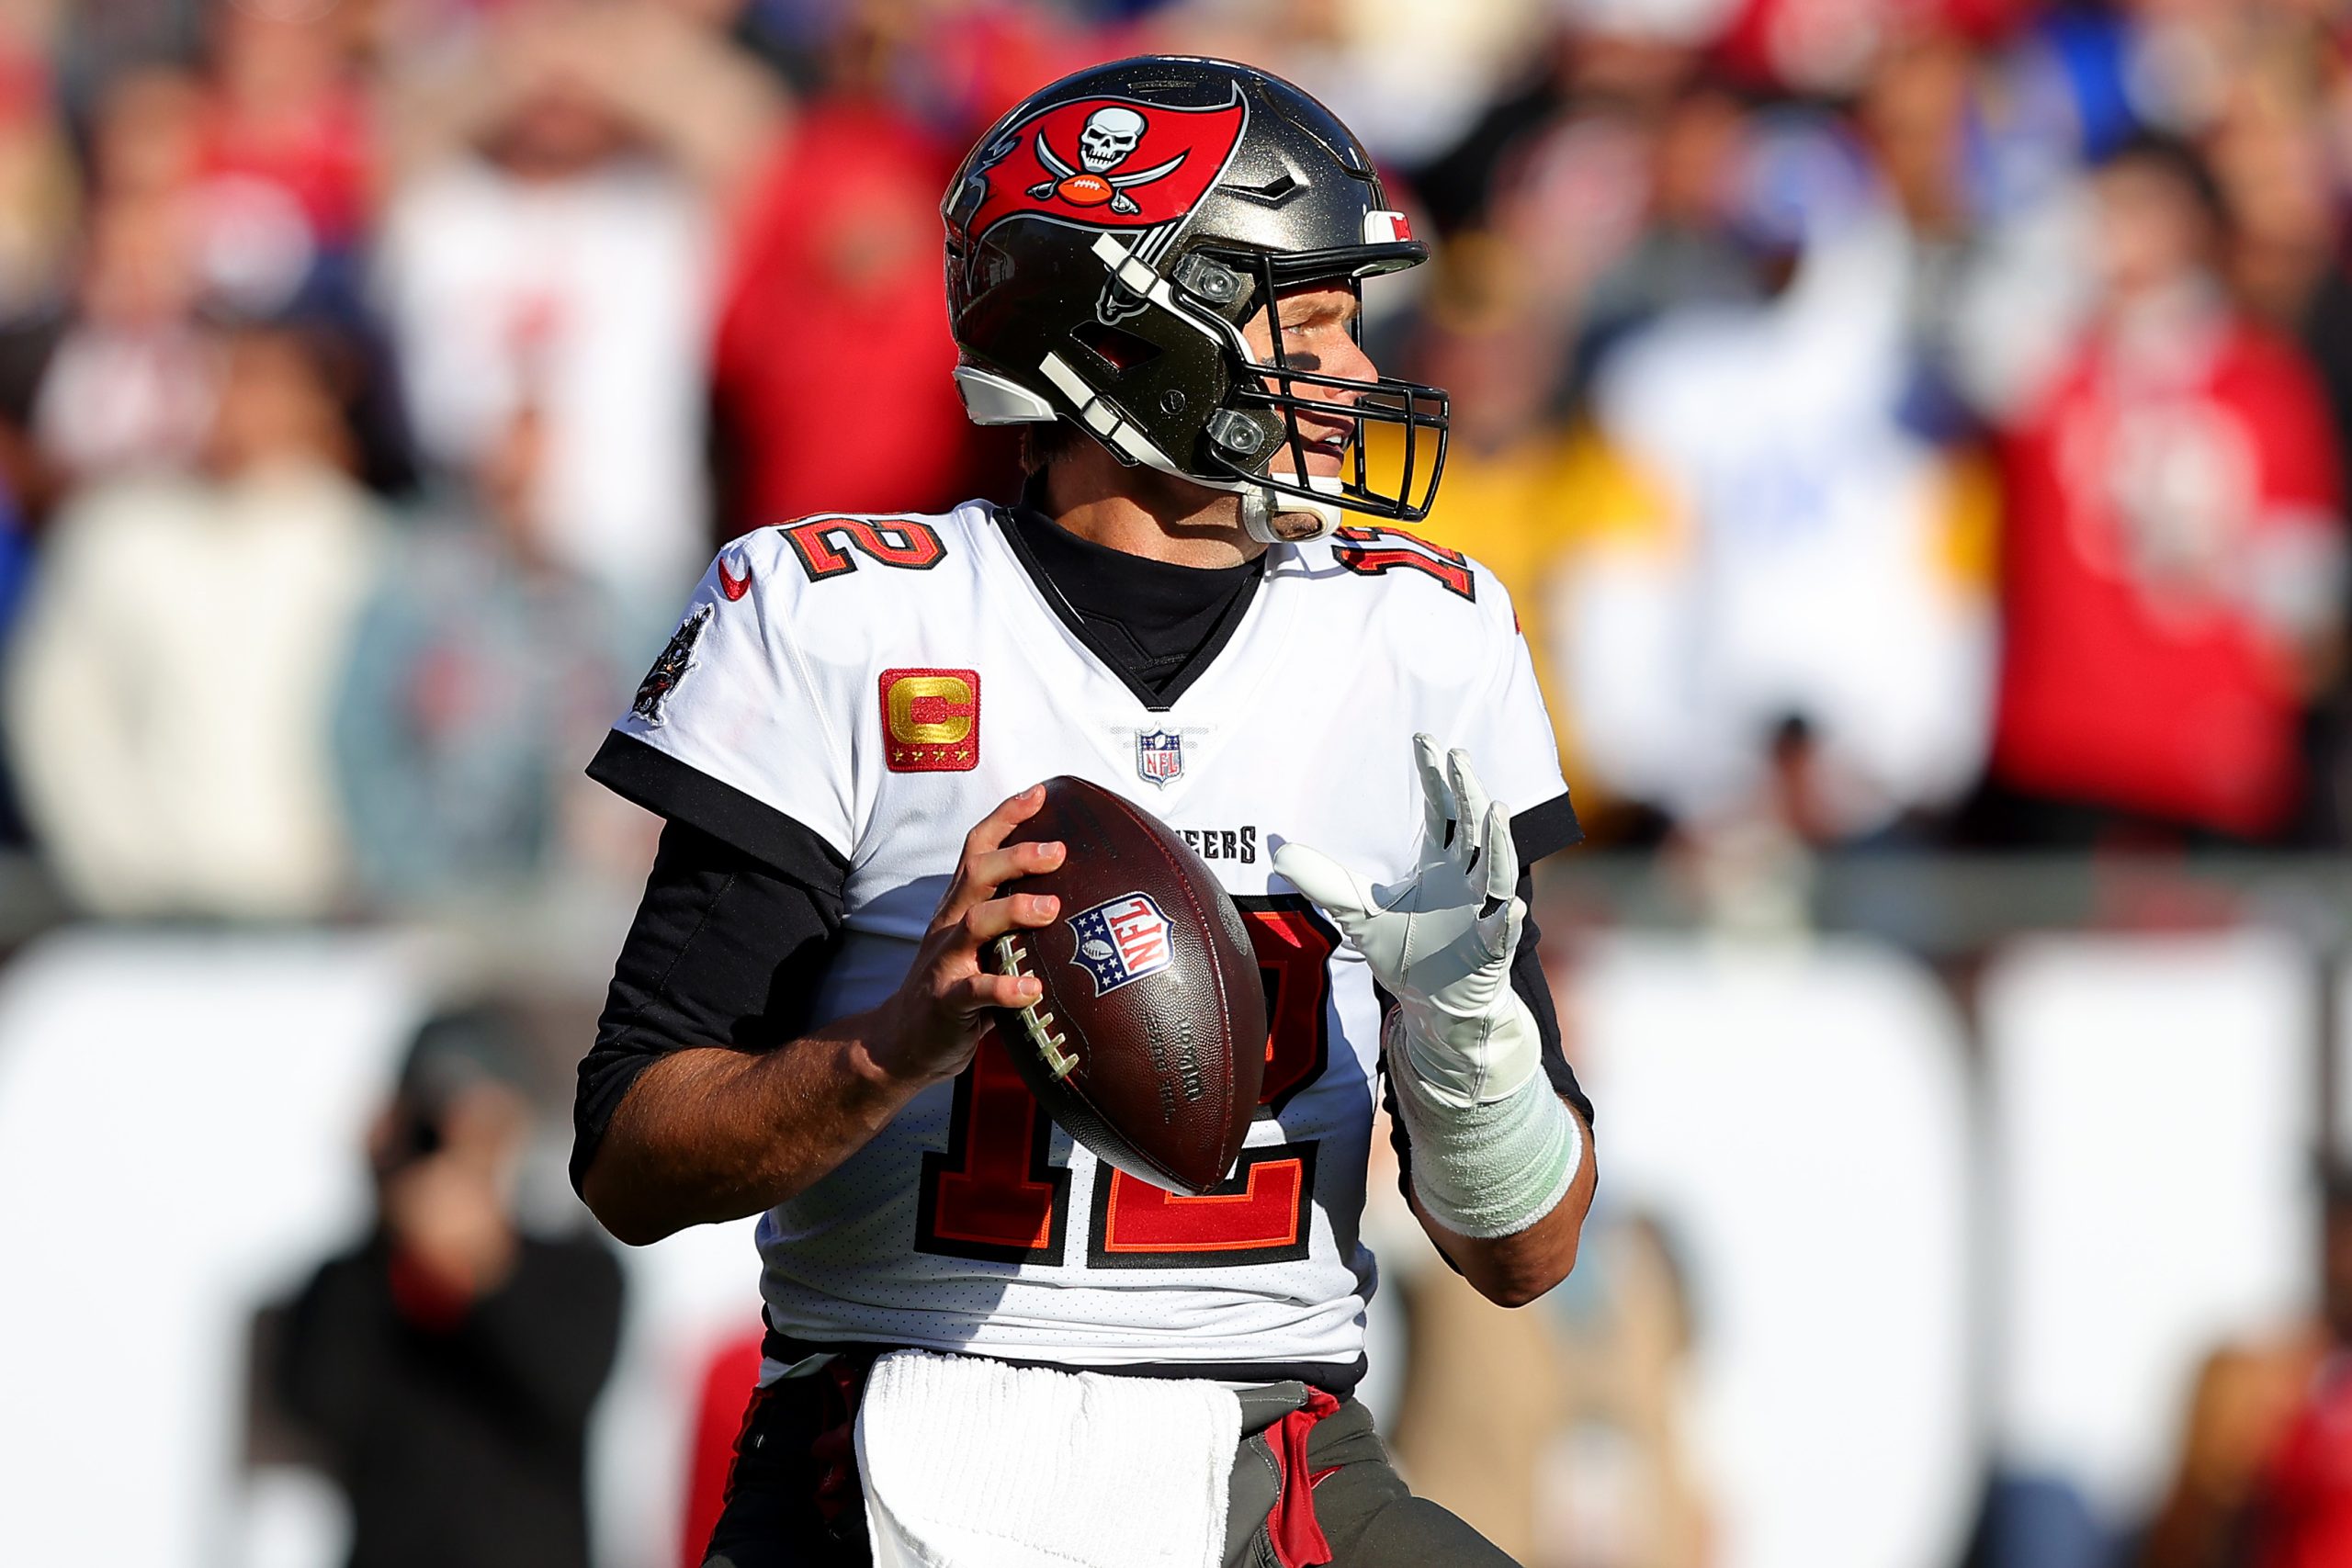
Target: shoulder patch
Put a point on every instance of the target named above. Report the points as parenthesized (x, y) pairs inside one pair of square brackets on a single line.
[(653, 691)]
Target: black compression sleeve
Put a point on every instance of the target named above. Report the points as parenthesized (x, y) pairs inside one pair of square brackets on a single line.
[(646, 775), (1527, 977), (1544, 830), (725, 950)]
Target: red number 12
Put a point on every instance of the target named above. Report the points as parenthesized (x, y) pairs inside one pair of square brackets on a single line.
[(992, 1195)]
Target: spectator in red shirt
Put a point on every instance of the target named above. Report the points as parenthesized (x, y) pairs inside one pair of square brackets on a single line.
[(833, 364), (727, 1379), (2304, 1512), (2263, 1478), (2174, 548), (284, 112)]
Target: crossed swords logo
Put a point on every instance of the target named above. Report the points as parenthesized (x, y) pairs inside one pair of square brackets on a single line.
[(1110, 134)]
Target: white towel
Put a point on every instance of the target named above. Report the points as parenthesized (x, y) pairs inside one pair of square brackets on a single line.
[(970, 1464)]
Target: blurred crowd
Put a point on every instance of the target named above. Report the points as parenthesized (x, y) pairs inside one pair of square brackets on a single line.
[(1901, 422)]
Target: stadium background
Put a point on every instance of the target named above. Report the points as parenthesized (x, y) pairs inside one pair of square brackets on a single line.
[(1910, 430)]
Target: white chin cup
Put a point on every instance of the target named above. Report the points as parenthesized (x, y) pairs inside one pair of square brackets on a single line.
[(1273, 517)]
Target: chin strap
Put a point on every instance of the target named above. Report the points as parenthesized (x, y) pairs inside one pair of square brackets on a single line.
[(1271, 517)]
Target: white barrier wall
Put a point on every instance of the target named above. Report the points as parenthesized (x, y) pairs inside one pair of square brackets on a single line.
[(180, 1118), (687, 1296), (1796, 1117), (2152, 1115)]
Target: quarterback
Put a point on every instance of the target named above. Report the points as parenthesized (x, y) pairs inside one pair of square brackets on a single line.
[(984, 1345)]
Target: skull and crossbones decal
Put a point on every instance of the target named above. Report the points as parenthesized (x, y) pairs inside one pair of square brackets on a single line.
[(1109, 136)]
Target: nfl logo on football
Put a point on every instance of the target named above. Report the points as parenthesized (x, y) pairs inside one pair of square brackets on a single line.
[(1160, 757), (1121, 940)]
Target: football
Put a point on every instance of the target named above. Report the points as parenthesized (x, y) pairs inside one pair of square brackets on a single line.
[(1149, 1045)]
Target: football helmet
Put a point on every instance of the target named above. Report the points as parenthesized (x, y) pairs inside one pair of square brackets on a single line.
[(1109, 238)]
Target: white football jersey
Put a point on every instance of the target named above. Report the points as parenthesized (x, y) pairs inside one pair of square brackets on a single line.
[(886, 681)]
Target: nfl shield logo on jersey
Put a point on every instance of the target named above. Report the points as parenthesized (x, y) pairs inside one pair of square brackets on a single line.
[(1160, 757), (1122, 940)]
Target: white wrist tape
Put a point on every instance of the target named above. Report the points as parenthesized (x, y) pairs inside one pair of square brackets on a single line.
[(1486, 1170), (1462, 1061)]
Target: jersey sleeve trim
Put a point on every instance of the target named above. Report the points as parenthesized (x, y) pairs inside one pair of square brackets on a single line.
[(1545, 830), (648, 776)]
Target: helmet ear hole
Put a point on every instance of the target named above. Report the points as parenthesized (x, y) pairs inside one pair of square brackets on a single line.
[(1118, 349)]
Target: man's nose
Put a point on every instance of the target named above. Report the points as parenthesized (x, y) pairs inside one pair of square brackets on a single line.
[(1352, 362)]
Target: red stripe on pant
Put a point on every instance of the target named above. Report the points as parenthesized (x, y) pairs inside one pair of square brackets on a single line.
[(1291, 1524)]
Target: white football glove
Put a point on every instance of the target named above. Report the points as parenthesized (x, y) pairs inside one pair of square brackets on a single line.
[(1442, 941)]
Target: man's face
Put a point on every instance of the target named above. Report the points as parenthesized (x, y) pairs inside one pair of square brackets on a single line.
[(1317, 327), (2152, 233)]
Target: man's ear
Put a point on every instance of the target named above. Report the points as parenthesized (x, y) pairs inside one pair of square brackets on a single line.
[(1044, 445)]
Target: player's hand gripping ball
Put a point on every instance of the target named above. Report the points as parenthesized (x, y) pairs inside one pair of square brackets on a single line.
[(1149, 1045)]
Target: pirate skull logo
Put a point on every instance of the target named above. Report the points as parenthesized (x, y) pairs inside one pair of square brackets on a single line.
[(1109, 135)]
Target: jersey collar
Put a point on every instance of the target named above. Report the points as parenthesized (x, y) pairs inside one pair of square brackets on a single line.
[(1070, 572)]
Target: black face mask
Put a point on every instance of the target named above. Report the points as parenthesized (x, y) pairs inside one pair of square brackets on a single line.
[(1276, 388)]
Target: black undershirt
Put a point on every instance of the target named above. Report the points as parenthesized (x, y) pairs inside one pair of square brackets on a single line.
[(742, 911), (1154, 625)]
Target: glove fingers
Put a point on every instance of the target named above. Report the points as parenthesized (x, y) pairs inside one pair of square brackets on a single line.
[(1438, 814), (1469, 795), (1469, 809), (1502, 853), (1498, 932), (1501, 912), (1337, 891)]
